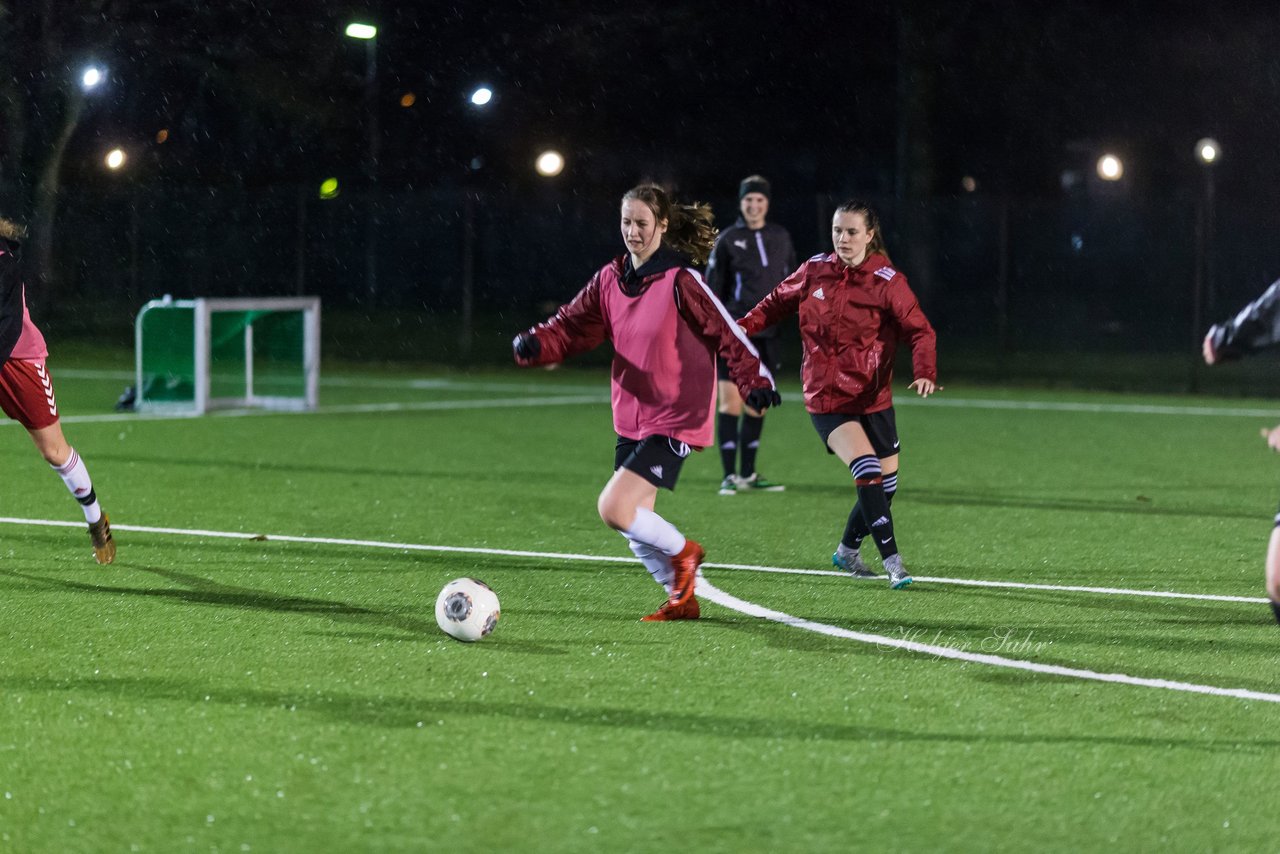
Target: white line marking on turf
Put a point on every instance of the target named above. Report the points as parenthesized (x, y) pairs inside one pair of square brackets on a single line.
[(1068, 406), (714, 594), (742, 567), (428, 383), (344, 409), (359, 381), (1017, 585)]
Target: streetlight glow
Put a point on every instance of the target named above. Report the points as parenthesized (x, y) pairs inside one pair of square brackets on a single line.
[(91, 77), (362, 31), (115, 158), (1208, 151), (549, 164), (1110, 167), (482, 96)]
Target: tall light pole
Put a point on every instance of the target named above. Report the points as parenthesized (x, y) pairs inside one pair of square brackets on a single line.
[(480, 98), (369, 34), (1207, 152)]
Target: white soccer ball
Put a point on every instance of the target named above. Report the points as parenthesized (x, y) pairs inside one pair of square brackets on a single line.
[(467, 609)]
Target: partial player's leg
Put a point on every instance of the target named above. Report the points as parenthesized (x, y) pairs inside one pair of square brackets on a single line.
[(26, 396), (67, 463), (626, 504), (728, 411), (1273, 569), (850, 443), (753, 427)]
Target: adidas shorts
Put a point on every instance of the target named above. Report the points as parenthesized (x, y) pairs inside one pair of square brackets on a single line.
[(657, 459), (881, 428), (26, 393), (770, 354)]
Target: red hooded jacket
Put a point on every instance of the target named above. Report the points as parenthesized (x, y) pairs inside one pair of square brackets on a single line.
[(851, 319)]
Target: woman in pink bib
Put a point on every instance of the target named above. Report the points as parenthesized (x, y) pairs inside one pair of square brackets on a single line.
[(666, 327)]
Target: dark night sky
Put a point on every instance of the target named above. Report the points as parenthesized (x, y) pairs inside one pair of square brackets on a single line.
[(820, 96)]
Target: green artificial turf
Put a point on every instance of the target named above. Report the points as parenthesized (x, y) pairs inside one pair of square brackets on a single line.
[(238, 694)]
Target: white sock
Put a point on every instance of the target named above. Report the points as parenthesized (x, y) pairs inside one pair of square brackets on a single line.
[(76, 477), (653, 530), (658, 564)]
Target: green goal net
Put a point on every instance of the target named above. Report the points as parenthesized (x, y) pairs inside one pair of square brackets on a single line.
[(202, 354)]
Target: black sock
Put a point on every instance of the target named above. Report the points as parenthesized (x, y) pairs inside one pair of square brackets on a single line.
[(749, 438), (1275, 606), (728, 427), (874, 503), (856, 528)]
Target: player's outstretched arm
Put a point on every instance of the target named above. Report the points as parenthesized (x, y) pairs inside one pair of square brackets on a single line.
[(1256, 327), (575, 328)]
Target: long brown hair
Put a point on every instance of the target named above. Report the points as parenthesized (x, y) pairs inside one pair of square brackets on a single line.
[(876, 246), (691, 229)]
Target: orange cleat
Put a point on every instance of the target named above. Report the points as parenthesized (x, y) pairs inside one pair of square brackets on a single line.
[(686, 564), (104, 546), (686, 610)]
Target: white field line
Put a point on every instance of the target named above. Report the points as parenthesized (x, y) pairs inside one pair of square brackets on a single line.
[(902, 400), (712, 593), (339, 381), (742, 567), (344, 409), (600, 397), (1015, 585), (1068, 406)]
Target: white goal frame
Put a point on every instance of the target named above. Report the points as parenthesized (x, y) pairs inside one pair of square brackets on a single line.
[(204, 309)]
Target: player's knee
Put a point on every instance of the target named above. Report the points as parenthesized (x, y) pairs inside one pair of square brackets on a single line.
[(55, 454), (611, 513)]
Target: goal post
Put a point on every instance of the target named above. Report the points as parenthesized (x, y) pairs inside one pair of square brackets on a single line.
[(213, 353)]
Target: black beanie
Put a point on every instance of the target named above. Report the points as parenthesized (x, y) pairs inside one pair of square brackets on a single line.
[(754, 184)]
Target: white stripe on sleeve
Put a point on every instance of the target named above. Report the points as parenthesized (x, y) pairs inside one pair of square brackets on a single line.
[(733, 325)]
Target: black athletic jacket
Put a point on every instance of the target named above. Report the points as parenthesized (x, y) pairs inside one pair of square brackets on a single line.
[(747, 264), (10, 297), (1255, 327)]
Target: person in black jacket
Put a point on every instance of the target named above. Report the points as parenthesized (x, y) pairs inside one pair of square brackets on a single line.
[(1255, 327), (750, 258), (26, 391)]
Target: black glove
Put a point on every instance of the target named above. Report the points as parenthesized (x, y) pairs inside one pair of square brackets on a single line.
[(527, 347), (762, 398)]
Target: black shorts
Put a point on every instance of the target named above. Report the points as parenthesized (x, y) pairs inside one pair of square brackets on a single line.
[(881, 428), (770, 357), (657, 459)]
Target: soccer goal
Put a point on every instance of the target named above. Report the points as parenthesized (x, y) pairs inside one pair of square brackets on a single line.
[(201, 354)]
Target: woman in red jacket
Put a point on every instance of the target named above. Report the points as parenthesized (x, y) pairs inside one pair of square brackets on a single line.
[(666, 327), (854, 307)]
